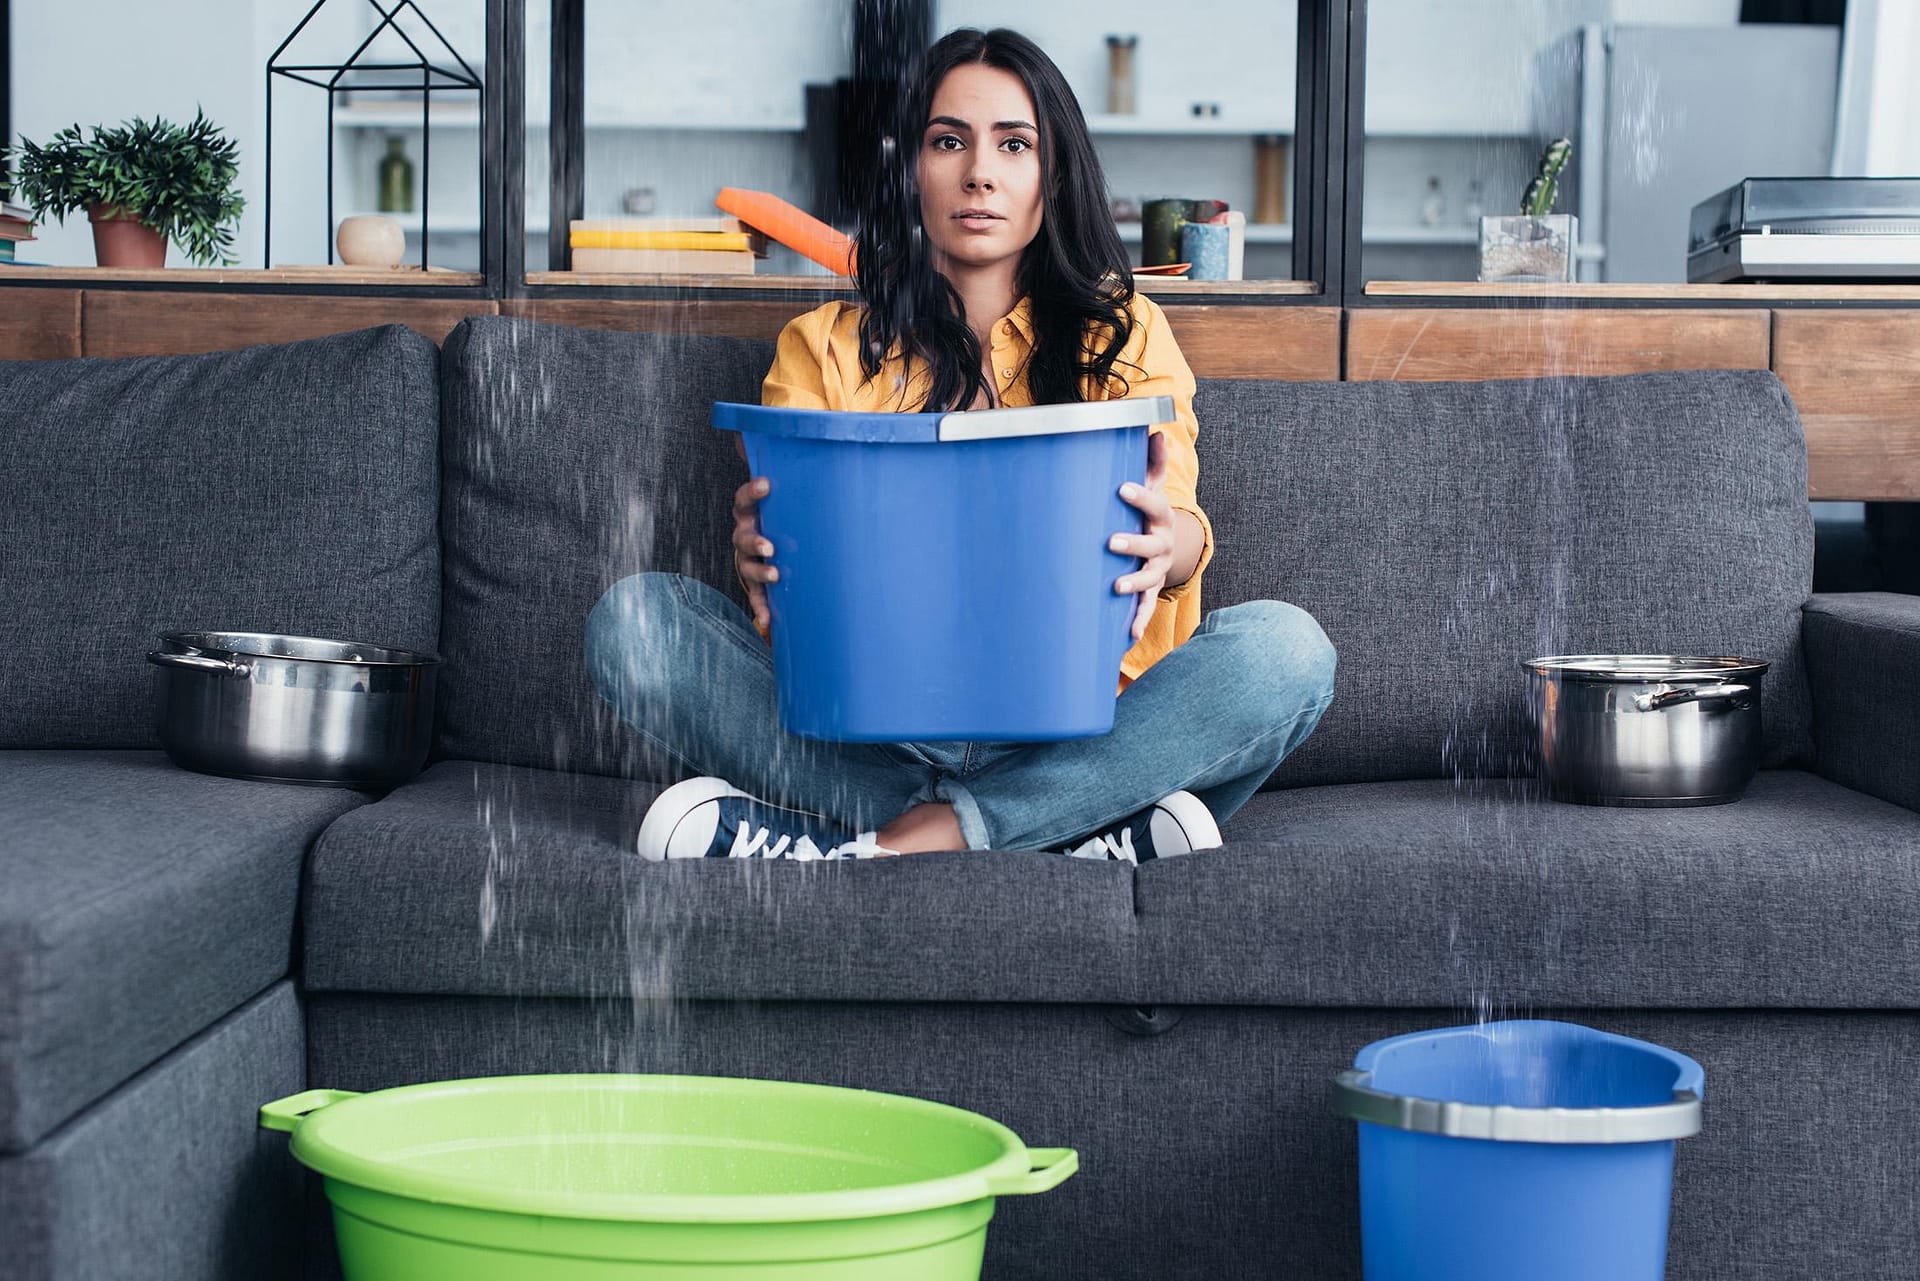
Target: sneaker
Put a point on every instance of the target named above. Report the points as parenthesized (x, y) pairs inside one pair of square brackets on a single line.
[(711, 818), (1178, 824)]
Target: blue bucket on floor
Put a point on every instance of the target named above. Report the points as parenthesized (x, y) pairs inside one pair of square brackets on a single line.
[(1517, 1151), (947, 576)]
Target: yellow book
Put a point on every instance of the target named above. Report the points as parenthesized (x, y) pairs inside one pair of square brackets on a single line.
[(708, 240), (678, 262), (692, 223)]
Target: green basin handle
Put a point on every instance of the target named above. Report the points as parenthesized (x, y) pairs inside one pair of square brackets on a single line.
[(1051, 1168), (284, 1114)]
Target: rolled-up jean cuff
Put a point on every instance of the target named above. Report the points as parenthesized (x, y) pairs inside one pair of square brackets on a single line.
[(966, 810)]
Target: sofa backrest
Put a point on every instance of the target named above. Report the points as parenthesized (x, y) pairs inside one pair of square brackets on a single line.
[(571, 458), (1442, 533), (288, 488)]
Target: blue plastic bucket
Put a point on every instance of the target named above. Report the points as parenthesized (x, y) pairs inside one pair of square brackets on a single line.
[(1516, 1151), (947, 576)]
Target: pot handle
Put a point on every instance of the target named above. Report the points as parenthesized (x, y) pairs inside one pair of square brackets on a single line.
[(1688, 694), (201, 663), (1050, 1168), (284, 1114)]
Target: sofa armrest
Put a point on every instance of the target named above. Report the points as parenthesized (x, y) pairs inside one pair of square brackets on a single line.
[(1863, 671)]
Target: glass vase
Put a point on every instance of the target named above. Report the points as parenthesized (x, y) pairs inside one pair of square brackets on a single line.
[(1524, 248)]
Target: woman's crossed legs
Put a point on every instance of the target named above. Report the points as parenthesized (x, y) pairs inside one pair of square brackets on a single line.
[(682, 665)]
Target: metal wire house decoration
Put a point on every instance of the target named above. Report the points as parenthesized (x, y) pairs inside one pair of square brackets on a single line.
[(434, 67)]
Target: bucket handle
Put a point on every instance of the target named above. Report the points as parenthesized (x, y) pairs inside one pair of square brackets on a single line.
[(1050, 1168), (284, 1114)]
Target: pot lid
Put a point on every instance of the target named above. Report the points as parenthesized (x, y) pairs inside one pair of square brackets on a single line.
[(1644, 667), (306, 648)]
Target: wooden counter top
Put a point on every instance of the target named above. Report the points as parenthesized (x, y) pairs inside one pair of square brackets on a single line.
[(840, 284), (436, 278), (1854, 371), (1757, 294)]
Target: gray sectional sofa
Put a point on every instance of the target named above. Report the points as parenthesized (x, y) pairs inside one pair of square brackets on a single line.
[(177, 949)]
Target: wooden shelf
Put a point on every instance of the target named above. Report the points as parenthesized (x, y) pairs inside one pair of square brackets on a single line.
[(601, 279), (1626, 290), (1098, 123), (1224, 288), (1185, 126), (469, 118), (1443, 129), (840, 284), (318, 274)]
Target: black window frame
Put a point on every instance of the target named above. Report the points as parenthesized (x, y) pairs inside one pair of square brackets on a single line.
[(1329, 66), (1324, 158)]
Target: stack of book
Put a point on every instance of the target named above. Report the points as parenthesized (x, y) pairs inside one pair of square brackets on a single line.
[(16, 224), (693, 246)]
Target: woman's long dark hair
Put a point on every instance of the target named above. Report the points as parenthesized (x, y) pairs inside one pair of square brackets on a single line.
[(1075, 272)]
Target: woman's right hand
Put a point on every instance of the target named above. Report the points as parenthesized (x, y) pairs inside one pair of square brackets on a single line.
[(751, 550)]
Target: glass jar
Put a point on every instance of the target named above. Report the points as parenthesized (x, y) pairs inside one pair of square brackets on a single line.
[(396, 178), (1120, 95)]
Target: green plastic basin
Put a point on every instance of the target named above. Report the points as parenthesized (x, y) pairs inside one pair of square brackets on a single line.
[(608, 1176)]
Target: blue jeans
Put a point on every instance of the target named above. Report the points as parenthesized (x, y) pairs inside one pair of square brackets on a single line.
[(684, 667)]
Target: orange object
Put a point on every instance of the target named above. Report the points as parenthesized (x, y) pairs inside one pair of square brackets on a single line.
[(791, 225)]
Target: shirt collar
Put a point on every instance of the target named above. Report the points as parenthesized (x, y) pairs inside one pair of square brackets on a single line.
[(1021, 317)]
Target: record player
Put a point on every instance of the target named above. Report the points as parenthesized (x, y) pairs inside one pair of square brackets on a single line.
[(1807, 229)]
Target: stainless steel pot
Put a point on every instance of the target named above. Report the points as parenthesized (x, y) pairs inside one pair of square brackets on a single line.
[(1646, 729), (292, 708)]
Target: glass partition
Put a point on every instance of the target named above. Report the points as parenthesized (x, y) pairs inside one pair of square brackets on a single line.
[(1191, 103), (420, 169), (1664, 104), (1187, 101)]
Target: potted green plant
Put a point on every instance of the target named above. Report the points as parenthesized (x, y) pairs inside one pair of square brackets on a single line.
[(1537, 244), (143, 183)]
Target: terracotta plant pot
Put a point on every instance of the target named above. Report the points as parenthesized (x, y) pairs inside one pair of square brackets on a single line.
[(122, 240)]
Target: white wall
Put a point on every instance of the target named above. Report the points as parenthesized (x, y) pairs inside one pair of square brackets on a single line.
[(1471, 65), (1878, 131), (1238, 53), (101, 63), (734, 60), (1462, 67)]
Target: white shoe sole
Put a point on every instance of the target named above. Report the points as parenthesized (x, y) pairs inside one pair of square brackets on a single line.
[(1184, 817), (671, 808)]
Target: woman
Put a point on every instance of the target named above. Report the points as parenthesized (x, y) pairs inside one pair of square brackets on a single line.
[(990, 273)]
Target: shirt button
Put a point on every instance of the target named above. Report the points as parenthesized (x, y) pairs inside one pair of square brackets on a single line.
[(1006, 373), (1006, 327)]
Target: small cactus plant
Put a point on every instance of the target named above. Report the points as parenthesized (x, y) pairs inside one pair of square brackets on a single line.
[(1545, 188)]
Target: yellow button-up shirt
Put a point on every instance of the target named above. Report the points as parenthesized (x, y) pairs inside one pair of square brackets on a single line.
[(817, 366)]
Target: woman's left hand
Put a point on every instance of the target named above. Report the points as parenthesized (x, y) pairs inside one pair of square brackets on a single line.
[(1155, 545)]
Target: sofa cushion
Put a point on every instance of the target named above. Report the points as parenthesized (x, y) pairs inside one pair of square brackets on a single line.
[(171, 1178), (287, 488), (1798, 896), (138, 904), (1208, 1151), (493, 880), (485, 880), (571, 458), (1442, 533), (1863, 649)]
